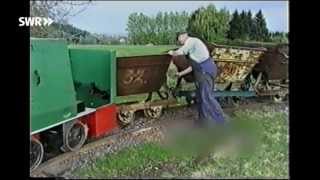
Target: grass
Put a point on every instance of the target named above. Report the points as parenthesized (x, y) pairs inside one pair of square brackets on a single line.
[(131, 50), (128, 162), (271, 156), (269, 159)]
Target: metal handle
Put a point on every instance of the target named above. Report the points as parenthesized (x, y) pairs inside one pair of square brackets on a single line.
[(37, 76)]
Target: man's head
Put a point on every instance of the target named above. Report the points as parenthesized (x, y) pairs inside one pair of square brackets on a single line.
[(182, 37)]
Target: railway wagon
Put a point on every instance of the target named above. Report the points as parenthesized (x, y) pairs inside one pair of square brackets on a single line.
[(234, 65), (136, 74), (249, 71), (272, 72)]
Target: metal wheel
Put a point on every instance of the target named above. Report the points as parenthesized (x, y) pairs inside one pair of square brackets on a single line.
[(126, 117), (153, 112), (261, 82), (221, 101), (280, 97), (36, 153), (76, 136), (228, 101), (163, 94), (237, 101)]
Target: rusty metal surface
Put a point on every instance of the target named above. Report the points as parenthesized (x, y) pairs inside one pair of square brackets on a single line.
[(141, 74), (211, 47), (234, 64), (275, 63)]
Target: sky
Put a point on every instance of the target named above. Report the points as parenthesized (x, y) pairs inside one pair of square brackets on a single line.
[(110, 17)]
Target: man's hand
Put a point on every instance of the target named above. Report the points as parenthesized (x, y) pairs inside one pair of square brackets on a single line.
[(178, 74), (171, 52), (184, 72)]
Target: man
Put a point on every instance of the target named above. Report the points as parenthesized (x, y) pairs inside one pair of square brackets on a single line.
[(204, 71)]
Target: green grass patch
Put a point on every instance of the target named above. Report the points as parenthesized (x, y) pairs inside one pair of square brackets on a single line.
[(135, 161), (268, 159)]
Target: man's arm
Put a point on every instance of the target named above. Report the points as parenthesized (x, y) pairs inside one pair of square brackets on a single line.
[(182, 50), (174, 53), (184, 72)]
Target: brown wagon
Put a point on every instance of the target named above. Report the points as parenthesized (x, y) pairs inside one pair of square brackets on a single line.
[(141, 74)]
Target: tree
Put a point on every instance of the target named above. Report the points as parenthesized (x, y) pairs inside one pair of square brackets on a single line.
[(132, 28), (278, 37), (251, 25), (160, 29), (243, 26), (260, 28), (209, 23), (58, 11), (234, 24)]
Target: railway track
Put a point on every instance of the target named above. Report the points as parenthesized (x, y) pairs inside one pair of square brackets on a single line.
[(141, 131)]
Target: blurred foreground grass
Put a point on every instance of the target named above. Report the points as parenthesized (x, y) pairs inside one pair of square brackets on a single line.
[(268, 159)]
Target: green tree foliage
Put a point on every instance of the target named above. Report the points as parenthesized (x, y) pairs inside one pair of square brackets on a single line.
[(241, 26), (58, 11), (160, 29), (209, 23), (251, 25), (260, 30), (234, 24), (278, 37), (206, 23), (245, 27)]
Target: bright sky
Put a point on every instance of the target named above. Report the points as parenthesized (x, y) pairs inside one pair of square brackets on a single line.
[(110, 17)]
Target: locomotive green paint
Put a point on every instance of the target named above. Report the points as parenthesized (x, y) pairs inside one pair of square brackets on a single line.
[(94, 66), (52, 95)]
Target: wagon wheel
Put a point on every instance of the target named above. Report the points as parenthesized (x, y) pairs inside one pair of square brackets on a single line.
[(280, 97), (126, 117), (260, 83), (225, 102), (75, 137), (221, 101), (153, 112), (237, 101), (36, 153), (229, 101), (163, 94)]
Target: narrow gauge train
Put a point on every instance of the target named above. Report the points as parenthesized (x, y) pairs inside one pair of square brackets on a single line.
[(80, 93)]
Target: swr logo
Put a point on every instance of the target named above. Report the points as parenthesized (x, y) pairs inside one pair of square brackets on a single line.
[(35, 21)]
